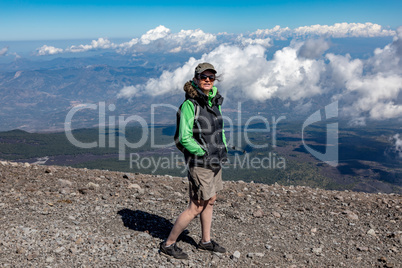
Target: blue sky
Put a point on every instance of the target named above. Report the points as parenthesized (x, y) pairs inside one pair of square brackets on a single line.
[(48, 20)]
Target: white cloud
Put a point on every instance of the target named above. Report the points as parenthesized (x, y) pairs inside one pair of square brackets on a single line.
[(277, 32), (265, 42), (245, 71), (389, 59), (161, 39), (398, 145), (339, 30), (3, 51), (286, 76), (369, 88), (128, 92), (48, 50), (123, 47), (101, 43), (375, 95), (154, 34), (167, 82)]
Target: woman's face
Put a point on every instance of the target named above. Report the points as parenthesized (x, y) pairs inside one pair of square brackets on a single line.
[(205, 84)]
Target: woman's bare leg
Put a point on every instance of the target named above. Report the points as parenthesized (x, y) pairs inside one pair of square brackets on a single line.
[(194, 208), (206, 219)]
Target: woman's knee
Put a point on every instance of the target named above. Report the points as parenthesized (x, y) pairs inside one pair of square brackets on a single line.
[(196, 206), (212, 200)]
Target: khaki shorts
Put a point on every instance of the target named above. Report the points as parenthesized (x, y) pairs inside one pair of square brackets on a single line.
[(204, 182)]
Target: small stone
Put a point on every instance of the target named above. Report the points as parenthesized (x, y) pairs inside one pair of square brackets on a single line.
[(65, 183), (314, 230), (339, 197), (371, 232), (93, 186), (235, 205), (361, 248), (59, 249), (141, 191), (288, 256), (20, 250), (129, 176), (382, 259), (276, 214), (317, 251), (258, 213), (351, 215), (49, 259), (134, 186), (236, 254), (83, 191), (50, 170), (26, 165), (268, 246), (178, 194), (256, 254)]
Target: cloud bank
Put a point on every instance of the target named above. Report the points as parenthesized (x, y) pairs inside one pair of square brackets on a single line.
[(161, 39), (339, 30), (246, 72), (370, 88)]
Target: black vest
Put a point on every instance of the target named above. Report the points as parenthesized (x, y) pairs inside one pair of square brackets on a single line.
[(207, 131)]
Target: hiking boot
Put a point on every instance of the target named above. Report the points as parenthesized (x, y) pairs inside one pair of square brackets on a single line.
[(173, 251), (211, 246)]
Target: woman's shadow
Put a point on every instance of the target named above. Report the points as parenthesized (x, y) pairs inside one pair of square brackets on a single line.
[(152, 224)]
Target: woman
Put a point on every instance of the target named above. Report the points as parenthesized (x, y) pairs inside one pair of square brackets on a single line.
[(204, 142)]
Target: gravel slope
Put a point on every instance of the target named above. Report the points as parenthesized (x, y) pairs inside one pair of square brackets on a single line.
[(65, 217)]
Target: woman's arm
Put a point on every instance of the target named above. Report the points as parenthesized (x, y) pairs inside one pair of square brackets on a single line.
[(186, 129)]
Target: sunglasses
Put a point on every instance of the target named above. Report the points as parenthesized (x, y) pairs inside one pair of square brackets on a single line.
[(204, 77)]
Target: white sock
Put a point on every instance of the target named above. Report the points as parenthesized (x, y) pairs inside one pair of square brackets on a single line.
[(206, 242), (170, 245)]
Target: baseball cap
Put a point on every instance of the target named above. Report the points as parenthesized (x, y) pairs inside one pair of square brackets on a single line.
[(203, 67)]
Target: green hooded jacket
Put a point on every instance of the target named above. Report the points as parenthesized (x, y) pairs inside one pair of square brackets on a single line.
[(187, 121)]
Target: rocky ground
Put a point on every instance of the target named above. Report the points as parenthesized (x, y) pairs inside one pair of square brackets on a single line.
[(64, 217)]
